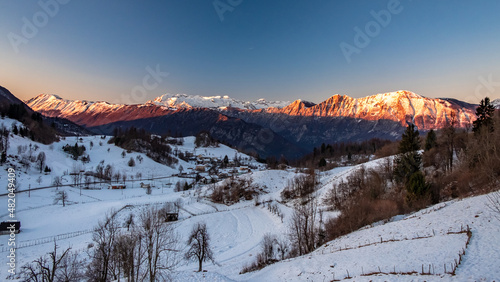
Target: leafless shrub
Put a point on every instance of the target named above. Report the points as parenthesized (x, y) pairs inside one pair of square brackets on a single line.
[(494, 203), (272, 250), (361, 211), (273, 208), (299, 187), (390, 149), (367, 196), (232, 190)]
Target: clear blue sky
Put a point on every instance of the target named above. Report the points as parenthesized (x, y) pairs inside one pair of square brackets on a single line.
[(278, 50)]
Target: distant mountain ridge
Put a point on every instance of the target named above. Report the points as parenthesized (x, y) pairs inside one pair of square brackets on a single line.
[(400, 106), (177, 101), (297, 126), (90, 113)]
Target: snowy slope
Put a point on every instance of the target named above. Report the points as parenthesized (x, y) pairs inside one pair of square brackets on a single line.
[(406, 245)]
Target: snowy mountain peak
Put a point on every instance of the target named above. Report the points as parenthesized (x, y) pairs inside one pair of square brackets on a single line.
[(91, 113), (496, 103), (196, 101)]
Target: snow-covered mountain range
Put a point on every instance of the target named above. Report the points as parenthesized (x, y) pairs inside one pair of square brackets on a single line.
[(90, 113), (399, 106), (177, 101), (296, 126)]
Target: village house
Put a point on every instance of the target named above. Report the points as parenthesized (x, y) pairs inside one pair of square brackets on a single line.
[(200, 168)]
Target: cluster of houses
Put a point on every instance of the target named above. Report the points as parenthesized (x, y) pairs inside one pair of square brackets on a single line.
[(209, 169)]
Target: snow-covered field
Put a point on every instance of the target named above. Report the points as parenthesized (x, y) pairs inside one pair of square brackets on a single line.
[(400, 250)]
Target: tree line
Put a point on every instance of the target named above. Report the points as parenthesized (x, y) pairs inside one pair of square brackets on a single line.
[(139, 140)]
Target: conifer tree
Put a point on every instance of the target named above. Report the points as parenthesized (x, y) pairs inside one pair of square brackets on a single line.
[(484, 113), (408, 162), (409, 159), (431, 140), (322, 162)]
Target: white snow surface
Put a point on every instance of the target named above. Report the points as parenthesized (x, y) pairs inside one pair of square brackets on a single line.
[(405, 244)]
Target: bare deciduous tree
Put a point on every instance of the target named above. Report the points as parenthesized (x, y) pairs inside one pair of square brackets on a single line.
[(57, 182), (45, 268), (199, 245), (108, 172), (61, 196), (160, 245), (303, 231), (129, 221), (104, 237), (268, 248), (282, 245), (76, 175), (125, 250), (117, 176), (71, 267), (40, 161)]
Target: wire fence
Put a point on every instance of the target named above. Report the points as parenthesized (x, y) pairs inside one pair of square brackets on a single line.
[(45, 240)]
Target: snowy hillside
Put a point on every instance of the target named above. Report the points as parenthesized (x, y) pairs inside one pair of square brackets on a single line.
[(425, 245), (236, 230)]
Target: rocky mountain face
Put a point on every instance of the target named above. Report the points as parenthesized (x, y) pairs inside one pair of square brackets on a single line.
[(401, 106), (292, 128)]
